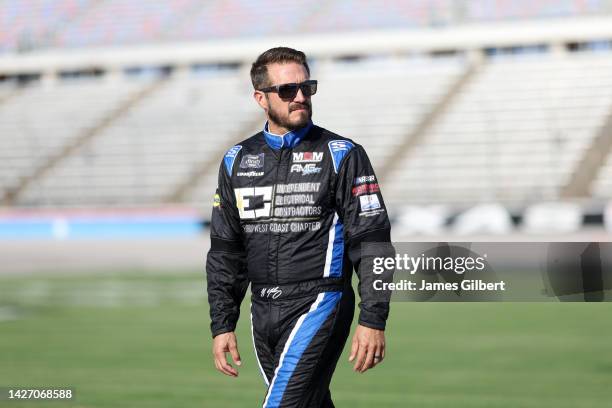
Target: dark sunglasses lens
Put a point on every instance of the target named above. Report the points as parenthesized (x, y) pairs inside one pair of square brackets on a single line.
[(287, 91), (309, 88)]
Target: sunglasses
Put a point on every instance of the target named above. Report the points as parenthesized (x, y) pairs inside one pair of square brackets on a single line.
[(288, 91)]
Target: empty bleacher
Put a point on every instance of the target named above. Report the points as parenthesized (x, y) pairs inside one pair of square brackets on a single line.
[(28, 24), (378, 103), (602, 186), (515, 134), (142, 157), (33, 24), (245, 18), (112, 22), (39, 121)]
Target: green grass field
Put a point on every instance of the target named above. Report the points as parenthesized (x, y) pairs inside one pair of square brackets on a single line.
[(143, 341)]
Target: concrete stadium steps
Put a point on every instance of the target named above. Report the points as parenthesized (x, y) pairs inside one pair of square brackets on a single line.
[(145, 155), (203, 194), (41, 120), (198, 188), (348, 102), (515, 134), (8, 91), (378, 103), (602, 186)]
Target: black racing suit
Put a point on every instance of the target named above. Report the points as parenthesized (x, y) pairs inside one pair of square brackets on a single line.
[(289, 216)]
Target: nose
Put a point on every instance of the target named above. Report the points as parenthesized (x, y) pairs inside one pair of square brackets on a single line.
[(299, 96)]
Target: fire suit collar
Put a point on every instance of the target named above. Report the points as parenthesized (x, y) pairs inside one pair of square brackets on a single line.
[(289, 139)]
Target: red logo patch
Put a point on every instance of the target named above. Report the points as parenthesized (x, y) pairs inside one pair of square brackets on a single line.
[(366, 189)]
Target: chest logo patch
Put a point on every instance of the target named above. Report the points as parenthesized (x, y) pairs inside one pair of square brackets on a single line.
[(254, 202), (307, 157), (305, 169), (252, 161)]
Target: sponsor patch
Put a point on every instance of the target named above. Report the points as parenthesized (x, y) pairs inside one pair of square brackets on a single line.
[(231, 153), (369, 202), (229, 158), (297, 188), (252, 161), (297, 211), (364, 179), (339, 149), (217, 201), (250, 173), (337, 145), (294, 199), (305, 169), (253, 202), (307, 157), (365, 189), (283, 227)]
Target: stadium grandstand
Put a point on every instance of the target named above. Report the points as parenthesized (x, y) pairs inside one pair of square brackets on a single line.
[(34, 24), (489, 125), (117, 104)]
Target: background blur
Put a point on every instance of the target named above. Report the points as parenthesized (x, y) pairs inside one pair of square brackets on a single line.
[(484, 119)]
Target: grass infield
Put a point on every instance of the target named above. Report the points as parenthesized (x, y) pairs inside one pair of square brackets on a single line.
[(127, 340)]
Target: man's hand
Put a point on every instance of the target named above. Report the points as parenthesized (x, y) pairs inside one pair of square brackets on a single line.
[(224, 343), (369, 348)]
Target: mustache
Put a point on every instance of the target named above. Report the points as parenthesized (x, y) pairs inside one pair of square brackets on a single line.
[(297, 106)]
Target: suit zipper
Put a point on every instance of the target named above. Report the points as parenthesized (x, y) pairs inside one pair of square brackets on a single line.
[(282, 151)]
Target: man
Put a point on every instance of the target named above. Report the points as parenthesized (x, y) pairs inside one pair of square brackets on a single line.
[(293, 205)]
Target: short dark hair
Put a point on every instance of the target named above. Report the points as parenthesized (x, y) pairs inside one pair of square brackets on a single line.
[(259, 69)]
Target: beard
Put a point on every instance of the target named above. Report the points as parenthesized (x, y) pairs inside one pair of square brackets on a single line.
[(285, 121)]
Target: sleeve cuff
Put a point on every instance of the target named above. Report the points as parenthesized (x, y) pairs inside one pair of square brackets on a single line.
[(370, 325), (220, 330)]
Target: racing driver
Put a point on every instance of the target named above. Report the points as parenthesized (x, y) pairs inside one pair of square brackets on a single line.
[(293, 204)]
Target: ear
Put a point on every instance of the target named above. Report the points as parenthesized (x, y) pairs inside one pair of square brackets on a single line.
[(261, 99)]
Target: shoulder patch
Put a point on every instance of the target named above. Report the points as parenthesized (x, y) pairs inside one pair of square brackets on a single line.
[(230, 157), (339, 149)]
